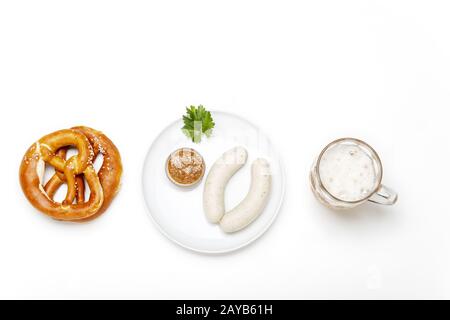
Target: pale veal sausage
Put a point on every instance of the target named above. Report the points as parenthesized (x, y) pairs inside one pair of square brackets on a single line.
[(254, 203), (219, 175)]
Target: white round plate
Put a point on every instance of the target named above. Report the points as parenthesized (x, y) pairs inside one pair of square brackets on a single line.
[(178, 212)]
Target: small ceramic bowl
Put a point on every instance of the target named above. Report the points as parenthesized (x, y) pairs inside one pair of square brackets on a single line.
[(196, 179)]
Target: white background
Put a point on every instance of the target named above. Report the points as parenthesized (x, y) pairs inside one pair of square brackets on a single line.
[(306, 72)]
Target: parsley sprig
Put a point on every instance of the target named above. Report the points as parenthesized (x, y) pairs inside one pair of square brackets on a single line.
[(197, 121)]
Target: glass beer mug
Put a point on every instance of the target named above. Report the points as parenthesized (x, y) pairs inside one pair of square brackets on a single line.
[(348, 173)]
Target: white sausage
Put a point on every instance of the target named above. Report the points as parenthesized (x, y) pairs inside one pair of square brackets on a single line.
[(219, 175), (254, 203)]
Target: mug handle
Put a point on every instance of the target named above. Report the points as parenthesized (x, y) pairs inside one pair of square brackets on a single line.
[(384, 196)]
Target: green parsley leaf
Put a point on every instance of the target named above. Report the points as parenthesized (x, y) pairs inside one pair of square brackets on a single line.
[(197, 121)]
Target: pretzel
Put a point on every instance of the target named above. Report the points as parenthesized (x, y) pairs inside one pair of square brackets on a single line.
[(52, 150)]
